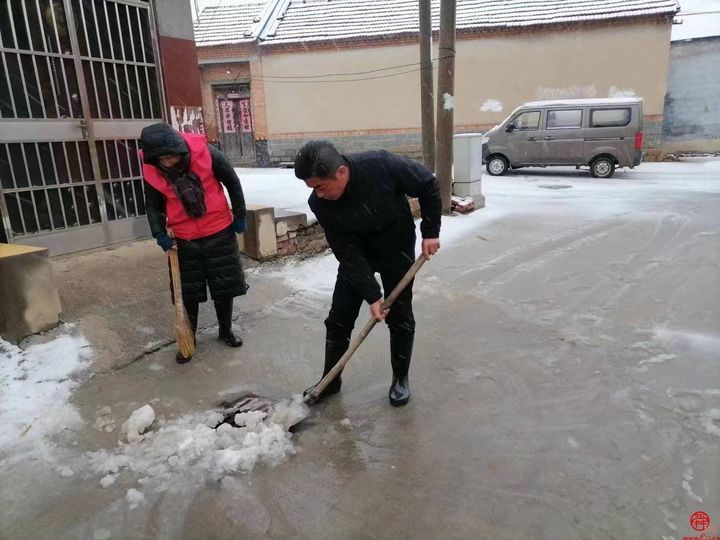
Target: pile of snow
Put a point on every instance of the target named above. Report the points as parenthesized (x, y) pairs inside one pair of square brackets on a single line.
[(35, 385), (711, 422), (138, 422), (191, 447), (134, 498)]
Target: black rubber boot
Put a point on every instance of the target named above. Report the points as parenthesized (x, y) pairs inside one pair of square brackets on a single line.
[(401, 346), (230, 339), (223, 310), (399, 391)]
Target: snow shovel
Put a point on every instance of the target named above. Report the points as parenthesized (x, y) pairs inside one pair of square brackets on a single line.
[(183, 329), (252, 402)]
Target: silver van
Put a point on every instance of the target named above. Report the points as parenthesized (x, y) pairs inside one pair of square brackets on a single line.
[(599, 133)]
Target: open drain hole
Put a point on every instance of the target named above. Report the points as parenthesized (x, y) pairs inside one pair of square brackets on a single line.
[(241, 404)]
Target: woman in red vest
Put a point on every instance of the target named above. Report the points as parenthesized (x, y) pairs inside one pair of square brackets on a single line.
[(184, 179)]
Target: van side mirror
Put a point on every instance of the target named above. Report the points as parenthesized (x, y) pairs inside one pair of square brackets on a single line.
[(510, 128)]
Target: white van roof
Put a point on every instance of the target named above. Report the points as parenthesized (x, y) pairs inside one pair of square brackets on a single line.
[(583, 102)]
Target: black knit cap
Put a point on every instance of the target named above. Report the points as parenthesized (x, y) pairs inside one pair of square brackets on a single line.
[(317, 158)]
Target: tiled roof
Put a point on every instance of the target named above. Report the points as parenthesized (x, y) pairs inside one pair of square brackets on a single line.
[(226, 24), (296, 21)]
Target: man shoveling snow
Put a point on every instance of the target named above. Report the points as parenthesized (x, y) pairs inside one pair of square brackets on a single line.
[(361, 202)]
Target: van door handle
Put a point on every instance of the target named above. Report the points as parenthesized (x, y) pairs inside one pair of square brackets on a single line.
[(549, 138), (532, 139)]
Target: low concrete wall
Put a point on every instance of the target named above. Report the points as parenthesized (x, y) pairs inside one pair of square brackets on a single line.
[(29, 301)]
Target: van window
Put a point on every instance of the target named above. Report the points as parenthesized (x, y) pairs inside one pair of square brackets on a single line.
[(610, 117), (527, 121), (564, 119)]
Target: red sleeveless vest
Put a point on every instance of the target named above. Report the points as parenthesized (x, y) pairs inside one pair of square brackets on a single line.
[(218, 215)]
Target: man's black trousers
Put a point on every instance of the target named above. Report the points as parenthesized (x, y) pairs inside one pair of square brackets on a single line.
[(345, 308)]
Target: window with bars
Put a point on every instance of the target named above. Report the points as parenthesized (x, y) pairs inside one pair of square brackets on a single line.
[(118, 59), (121, 175), (38, 77), (50, 186)]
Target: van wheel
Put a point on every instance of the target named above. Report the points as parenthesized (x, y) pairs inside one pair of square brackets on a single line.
[(602, 167), (497, 166)]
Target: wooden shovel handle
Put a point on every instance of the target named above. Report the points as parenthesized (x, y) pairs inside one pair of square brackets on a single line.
[(335, 371)]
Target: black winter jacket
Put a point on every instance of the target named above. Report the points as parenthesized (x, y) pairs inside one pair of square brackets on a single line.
[(372, 225)]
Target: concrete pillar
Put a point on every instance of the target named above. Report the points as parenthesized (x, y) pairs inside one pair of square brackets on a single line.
[(29, 300), (260, 240), (178, 58)]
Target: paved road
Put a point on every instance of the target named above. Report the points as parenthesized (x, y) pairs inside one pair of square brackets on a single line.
[(564, 381)]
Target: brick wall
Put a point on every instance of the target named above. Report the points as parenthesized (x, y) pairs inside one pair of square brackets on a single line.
[(306, 241), (218, 74), (242, 65), (409, 142)]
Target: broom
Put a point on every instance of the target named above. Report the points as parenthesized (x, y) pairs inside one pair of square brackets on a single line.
[(183, 329)]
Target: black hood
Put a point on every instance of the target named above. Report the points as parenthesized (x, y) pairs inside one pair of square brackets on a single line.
[(159, 140)]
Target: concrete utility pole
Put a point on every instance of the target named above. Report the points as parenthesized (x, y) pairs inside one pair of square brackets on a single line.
[(445, 100), (427, 102)]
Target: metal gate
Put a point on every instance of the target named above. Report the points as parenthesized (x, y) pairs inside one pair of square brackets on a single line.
[(78, 81)]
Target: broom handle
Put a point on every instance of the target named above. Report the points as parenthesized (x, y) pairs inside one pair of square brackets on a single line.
[(175, 273), (335, 371)]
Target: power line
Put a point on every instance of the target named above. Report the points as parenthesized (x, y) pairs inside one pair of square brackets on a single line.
[(313, 81), (346, 74)]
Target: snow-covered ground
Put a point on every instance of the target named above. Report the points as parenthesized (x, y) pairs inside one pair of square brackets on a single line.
[(538, 192), (278, 188), (515, 193), (35, 386), (566, 359)]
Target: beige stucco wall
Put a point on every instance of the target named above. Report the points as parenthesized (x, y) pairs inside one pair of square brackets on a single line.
[(510, 69)]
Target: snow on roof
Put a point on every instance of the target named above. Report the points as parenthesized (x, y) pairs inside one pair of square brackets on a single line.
[(583, 102), (318, 20), (227, 24)]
